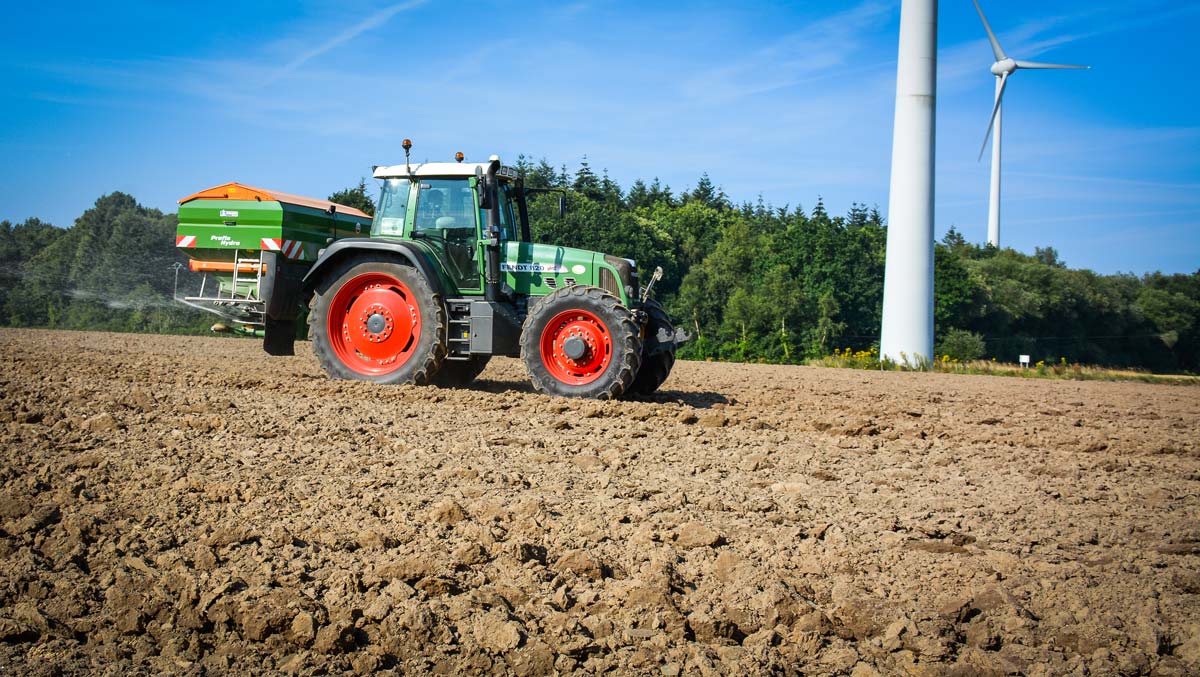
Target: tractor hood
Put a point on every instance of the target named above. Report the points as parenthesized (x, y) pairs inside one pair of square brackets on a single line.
[(540, 269)]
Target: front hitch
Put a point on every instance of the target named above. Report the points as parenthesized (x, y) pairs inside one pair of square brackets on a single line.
[(658, 273), (664, 337)]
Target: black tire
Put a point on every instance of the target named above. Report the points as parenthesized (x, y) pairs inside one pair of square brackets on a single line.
[(459, 373), (426, 349), (614, 368), (658, 351)]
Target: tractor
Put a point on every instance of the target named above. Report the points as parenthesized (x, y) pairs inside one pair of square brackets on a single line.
[(450, 276)]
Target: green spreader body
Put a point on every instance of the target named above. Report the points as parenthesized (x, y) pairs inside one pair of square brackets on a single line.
[(244, 239)]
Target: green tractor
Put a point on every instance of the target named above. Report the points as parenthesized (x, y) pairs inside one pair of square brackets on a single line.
[(450, 277)]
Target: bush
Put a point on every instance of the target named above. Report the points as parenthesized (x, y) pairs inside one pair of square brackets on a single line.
[(961, 345)]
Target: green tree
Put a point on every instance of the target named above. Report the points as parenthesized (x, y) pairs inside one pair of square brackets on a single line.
[(639, 195), (962, 345), (957, 294), (707, 194), (828, 327), (586, 181), (355, 197), (18, 244), (610, 191)]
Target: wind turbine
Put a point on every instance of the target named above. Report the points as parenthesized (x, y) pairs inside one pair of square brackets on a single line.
[(1003, 69)]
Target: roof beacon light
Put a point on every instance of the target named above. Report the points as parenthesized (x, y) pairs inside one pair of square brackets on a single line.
[(459, 157), (407, 145)]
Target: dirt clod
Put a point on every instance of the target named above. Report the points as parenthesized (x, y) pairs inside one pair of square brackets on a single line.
[(495, 632), (448, 512), (334, 638), (697, 535), (580, 563), (303, 628)]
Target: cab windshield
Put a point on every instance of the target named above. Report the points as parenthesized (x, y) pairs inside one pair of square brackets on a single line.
[(393, 206)]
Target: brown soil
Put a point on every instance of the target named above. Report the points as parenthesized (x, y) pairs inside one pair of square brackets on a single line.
[(192, 505)]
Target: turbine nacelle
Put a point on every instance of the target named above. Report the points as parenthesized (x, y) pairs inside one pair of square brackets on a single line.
[(1004, 67)]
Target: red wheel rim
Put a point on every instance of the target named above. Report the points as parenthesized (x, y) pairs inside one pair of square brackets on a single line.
[(374, 324), (576, 326)]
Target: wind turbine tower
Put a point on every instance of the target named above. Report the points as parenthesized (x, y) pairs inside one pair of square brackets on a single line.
[(907, 330), (1003, 68)]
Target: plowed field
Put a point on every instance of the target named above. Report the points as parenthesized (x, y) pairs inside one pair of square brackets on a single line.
[(191, 505)]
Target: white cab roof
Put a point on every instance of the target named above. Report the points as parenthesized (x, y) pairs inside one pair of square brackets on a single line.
[(435, 169)]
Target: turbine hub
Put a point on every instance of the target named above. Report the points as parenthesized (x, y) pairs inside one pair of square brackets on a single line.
[(1004, 67)]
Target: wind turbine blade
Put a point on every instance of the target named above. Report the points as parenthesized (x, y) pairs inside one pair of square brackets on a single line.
[(996, 50), (1036, 64), (995, 109)]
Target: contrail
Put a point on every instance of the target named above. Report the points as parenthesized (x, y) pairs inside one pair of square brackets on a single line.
[(377, 19)]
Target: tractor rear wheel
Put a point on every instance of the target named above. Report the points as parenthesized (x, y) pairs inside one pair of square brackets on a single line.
[(378, 321), (458, 373), (581, 342), (658, 350)]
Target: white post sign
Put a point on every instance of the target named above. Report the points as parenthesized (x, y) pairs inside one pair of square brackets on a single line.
[(1024, 360)]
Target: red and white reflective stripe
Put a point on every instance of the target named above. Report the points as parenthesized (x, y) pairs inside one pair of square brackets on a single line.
[(185, 240), (293, 248), (272, 244)]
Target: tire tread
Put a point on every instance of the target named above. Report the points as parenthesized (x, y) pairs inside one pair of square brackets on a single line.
[(627, 354), (432, 358)]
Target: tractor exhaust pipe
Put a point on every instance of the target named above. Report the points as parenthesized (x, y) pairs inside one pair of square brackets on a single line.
[(489, 196)]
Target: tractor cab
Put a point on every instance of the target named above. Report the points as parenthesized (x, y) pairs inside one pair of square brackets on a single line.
[(438, 204)]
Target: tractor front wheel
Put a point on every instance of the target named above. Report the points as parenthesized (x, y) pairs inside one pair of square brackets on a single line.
[(581, 342), (378, 321), (658, 350)]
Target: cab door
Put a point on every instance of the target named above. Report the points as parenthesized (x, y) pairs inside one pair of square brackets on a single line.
[(446, 220)]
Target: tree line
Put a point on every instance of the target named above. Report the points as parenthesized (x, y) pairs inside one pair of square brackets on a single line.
[(750, 281), (755, 282), (112, 270)]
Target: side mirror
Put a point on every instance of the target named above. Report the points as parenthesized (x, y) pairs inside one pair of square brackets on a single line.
[(562, 206), (485, 194), (481, 185)]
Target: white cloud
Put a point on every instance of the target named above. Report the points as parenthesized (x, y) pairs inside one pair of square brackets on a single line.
[(373, 21), (810, 52)]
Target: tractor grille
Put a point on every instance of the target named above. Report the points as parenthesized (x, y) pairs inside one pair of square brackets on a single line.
[(551, 283), (627, 271), (608, 282)]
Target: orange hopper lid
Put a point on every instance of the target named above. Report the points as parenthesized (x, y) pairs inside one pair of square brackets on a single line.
[(237, 191)]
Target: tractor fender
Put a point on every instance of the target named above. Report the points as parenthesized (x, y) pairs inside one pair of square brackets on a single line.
[(351, 246)]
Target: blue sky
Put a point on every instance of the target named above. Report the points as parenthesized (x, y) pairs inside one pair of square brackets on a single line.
[(786, 100)]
